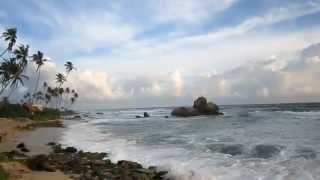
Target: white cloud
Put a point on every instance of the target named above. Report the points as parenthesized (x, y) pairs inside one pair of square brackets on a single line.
[(188, 11)]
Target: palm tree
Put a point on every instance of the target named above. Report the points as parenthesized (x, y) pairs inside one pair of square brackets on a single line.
[(39, 60), (69, 66), (60, 79), (9, 35), (21, 54), (11, 74)]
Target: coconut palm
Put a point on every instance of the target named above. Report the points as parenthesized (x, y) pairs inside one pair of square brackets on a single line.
[(69, 67), (60, 79), (9, 35), (21, 54), (11, 74), (39, 61)]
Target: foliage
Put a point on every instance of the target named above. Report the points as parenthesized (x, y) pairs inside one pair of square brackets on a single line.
[(13, 111), (13, 62), (18, 111), (3, 175)]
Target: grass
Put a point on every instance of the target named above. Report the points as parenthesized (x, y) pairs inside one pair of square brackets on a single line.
[(3, 175), (16, 111)]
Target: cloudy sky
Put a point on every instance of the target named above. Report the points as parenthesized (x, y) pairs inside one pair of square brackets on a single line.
[(167, 52)]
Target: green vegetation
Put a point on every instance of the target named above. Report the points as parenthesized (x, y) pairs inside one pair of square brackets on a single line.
[(53, 96), (18, 111), (3, 175)]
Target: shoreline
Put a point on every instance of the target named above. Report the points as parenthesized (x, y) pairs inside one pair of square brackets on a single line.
[(40, 141)]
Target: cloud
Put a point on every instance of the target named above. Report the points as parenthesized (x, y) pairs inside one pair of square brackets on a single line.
[(187, 11)]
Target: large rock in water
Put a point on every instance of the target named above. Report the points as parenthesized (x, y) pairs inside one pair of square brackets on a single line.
[(200, 107), (185, 112), (200, 104)]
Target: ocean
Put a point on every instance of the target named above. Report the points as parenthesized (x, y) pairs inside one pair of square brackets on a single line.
[(249, 142)]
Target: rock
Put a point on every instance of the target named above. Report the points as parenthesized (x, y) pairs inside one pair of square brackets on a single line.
[(200, 107), (76, 117), (99, 113), (129, 164), (24, 149), (185, 112), (200, 104), (265, 151), (39, 163), (138, 116), (211, 108), (145, 114), (71, 150), (166, 117), (51, 144), (233, 150), (21, 145), (307, 153)]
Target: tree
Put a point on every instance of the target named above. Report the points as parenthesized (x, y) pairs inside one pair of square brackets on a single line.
[(39, 61), (10, 35), (69, 67), (11, 73), (60, 79)]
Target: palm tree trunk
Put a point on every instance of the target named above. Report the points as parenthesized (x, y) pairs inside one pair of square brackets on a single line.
[(3, 52), (37, 84), (4, 87)]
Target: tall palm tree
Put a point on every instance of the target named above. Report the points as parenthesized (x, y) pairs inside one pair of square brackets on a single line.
[(9, 35), (39, 61), (11, 74), (60, 79), (21, 54)]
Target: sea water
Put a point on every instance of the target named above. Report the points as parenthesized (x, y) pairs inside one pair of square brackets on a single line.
[(251, 142)]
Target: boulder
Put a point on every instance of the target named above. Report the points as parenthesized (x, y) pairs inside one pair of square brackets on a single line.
[(39, 163), (200, 104), (200, 107), (211, 108), (145, 114), (185, 112)]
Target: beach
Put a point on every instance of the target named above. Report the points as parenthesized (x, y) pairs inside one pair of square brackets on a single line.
[(46, 159), (13, 133)]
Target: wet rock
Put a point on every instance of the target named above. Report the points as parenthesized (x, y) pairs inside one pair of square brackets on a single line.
[(39, 163), (166, 117), (21, 145), (200, 107), (24, 149), (99, 113), (233, 150), (211, 108), (265, 151), (145, 114), (76, 117), (307, 153), (185, 112), (138, 116)]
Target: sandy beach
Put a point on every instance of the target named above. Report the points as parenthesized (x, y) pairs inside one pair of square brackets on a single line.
[(12, 133)]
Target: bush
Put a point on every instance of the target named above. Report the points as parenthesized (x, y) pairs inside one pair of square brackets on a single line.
[(17, 111), (13, 111), (47, 114)]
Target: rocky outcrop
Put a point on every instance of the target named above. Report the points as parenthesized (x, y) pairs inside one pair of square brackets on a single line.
[(89, 166), (200, 107)]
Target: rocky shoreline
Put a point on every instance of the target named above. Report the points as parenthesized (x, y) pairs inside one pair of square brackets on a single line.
[(81, 165), (75, 164)]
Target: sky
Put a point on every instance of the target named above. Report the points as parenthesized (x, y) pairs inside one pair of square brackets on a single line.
[(145, 53)]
